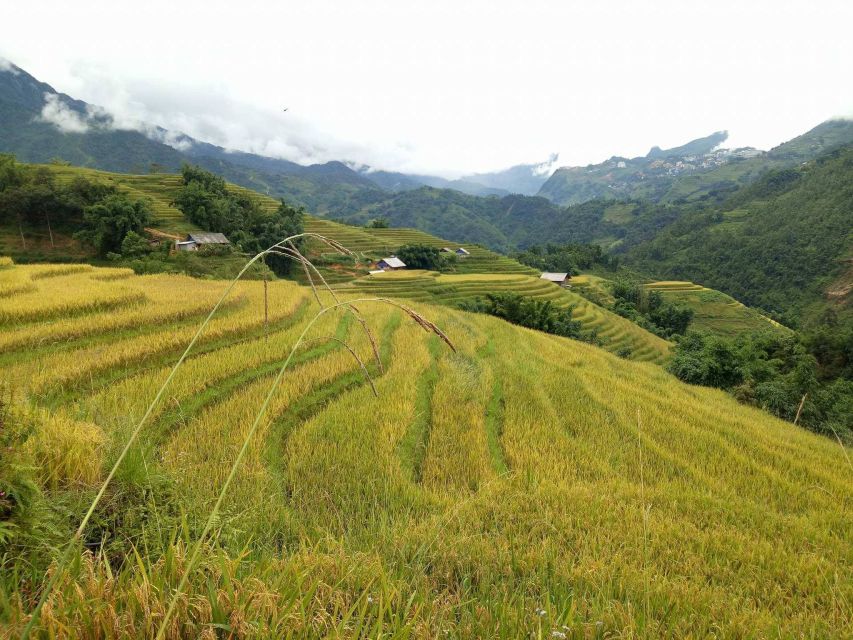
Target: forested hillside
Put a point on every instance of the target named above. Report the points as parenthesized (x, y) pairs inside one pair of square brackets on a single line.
[(39, 124), (778, 244)]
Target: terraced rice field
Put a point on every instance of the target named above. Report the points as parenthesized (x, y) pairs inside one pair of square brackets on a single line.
[(159, 188), (616, 334), (524, 485), (714, 311)]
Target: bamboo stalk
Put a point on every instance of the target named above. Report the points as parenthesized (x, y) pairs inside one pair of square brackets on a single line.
[(800, 408)]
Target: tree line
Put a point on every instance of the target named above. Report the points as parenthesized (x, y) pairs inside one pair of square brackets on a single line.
[(207, 202), (100, 216)]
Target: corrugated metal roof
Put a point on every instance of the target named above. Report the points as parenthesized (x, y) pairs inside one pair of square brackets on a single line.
[(554, 277), (208, 238), (464, 251), (393, 262)]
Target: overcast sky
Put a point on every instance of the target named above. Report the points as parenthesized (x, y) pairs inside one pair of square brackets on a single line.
[(447, 87)]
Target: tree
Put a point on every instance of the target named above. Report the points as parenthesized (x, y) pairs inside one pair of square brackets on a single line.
[(207, 202), (420, 256), (377, 223), (285, 222), (134, 245), (569, 258), (527, 312), (107, 223), (701, 358), (671, 318)]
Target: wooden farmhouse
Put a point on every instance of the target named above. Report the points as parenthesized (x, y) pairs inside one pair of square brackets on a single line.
[(195, 240), (459, 252), (561, 279), (391, 264)]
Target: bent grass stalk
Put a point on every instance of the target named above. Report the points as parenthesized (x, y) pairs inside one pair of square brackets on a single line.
[(423, 322), (293, 253), (63, 562)]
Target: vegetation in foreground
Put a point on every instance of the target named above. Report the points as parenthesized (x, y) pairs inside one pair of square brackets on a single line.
[(777, 372), (525, 485)]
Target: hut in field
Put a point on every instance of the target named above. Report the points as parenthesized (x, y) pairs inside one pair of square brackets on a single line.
[(391, 264), (462, 252), (194, 241), (561, 279)]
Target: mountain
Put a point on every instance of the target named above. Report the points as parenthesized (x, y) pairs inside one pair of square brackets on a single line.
[(698, 147), (524, 179), (649, 177), (38, 124), (698, 170), (392, 180), (501, 223), (395, 181), (783, 243)]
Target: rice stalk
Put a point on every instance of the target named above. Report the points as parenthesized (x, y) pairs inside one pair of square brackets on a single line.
[(214, 513), (63, 562)]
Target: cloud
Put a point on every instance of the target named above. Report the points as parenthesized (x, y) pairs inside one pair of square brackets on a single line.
[(59, 114), (171, 113), (548, 167), (6, 65)]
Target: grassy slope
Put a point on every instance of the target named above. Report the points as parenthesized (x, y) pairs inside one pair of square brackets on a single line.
[(476, 275), (714, 311), (524, 485), (615, 333)]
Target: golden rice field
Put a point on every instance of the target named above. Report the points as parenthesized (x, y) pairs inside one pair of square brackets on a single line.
[(523, 485), (714, 311), (616, 334)]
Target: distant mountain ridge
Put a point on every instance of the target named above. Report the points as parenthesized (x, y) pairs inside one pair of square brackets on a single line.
[(38, 123), (620, 203), (700, 146), (693, 171), (523, 179)]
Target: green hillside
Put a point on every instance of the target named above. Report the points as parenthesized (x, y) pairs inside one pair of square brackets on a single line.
[(779, 244), (499, 273), (523, 485), (692, 172), (714, 311), (614, 333)]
